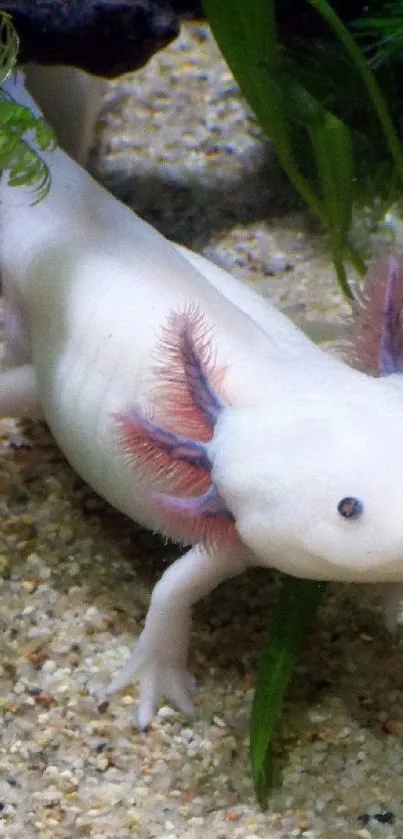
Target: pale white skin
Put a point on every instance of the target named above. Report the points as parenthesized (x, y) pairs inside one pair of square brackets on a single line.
[(88, 288), (70, 99)]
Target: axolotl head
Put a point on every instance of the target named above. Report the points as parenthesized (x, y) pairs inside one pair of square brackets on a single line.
[(309, 483), (319, 492)]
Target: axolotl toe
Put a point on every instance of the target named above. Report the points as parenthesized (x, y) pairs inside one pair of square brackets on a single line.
[(197, 409)]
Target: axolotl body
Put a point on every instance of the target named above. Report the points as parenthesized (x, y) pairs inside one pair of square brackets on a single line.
[(196, 408)]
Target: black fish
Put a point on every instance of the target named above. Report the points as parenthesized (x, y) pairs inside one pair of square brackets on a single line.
[(104, 37)]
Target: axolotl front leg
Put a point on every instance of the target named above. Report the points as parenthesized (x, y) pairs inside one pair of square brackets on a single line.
[(160, 657)]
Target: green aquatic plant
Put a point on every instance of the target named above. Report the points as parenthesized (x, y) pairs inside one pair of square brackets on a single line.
[(291, 621), (324, 84), (8, 46), (24, 165), (333, 121), (383, 34)]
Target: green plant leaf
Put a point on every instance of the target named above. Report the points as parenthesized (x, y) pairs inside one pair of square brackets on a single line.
[(374, 92), (292, 618), (8, 46), (298, 89), (246, 34), (383, 33), (332, 146), (281, 103), (19, 157)]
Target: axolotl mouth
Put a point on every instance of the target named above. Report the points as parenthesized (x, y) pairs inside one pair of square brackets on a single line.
[(370, 569), (323, 554)]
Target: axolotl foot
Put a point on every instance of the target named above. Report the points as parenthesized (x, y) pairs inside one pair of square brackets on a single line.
[(159, 660), (159, 676)]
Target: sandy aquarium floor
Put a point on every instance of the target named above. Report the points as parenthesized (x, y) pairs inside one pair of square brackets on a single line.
[(175, 142)]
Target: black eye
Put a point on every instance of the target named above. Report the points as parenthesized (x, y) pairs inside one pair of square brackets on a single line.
[(350, 507)]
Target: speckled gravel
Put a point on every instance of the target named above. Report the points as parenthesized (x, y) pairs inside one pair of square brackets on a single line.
[(177, 144)]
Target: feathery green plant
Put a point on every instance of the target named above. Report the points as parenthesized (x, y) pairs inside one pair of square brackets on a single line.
[(8, 46), (23, 164)]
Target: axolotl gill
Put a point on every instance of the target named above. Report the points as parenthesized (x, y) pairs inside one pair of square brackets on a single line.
[(197, 409)]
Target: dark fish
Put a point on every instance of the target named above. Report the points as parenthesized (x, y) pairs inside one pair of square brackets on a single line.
[(104, 37)]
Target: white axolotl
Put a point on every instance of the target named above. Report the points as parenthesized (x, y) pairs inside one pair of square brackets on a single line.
[(196, 408)]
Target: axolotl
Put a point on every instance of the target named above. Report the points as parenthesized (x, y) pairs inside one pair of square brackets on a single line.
[(197, 409)]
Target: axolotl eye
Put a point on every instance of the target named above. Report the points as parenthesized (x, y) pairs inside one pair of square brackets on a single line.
[(350, 507)]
